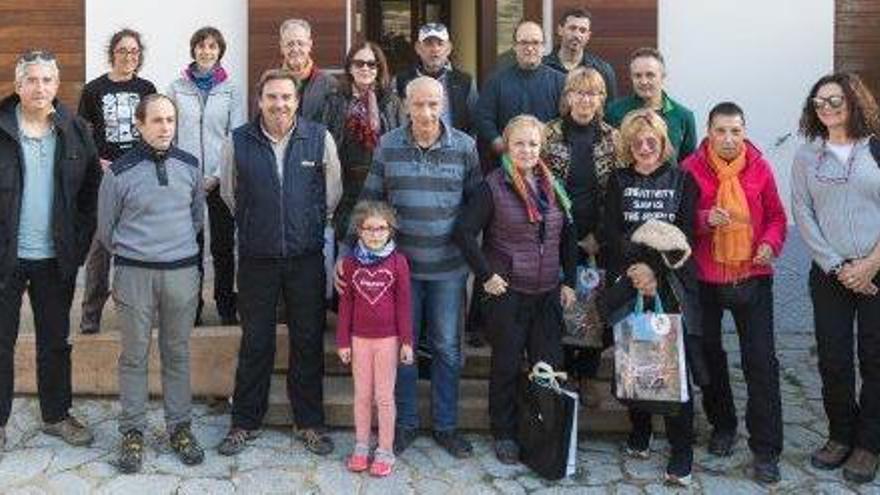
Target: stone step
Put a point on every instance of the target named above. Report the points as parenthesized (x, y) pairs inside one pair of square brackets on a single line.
[(604, 413)]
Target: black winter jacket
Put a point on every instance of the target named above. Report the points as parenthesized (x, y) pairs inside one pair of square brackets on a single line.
[(75, 201)]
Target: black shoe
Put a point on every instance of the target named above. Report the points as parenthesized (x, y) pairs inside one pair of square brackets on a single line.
[(131, 452), (236, 440), (507, 451), (187, 447), (90, 330), (454, 443), (403, 438), (228, 320), (766, 471), (314, 440), (721, 443)]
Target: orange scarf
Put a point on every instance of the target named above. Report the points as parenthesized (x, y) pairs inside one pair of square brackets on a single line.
[(732, 243)]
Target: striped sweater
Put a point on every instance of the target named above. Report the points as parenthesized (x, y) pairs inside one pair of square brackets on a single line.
[(427, 188)]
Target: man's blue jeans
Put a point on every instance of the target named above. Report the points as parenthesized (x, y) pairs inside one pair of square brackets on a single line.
[(437, 304)]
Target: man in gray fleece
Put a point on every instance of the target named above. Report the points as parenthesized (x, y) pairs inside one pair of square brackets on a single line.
[(150, 208)]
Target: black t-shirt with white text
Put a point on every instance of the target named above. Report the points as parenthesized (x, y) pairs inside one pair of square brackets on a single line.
[(109, 107)]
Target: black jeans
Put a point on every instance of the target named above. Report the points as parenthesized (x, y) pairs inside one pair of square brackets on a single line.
[(516, 323), (835, 309), (679, 429), (300, 282), (50, 295), (222, 226), (751, 303)]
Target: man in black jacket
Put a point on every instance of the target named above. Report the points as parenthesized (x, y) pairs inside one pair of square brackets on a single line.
[(49, 176), (574, 30)]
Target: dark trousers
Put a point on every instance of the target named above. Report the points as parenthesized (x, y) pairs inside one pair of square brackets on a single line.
[(516, 323), (222, 226), (751, 303), (679, 429), (835, 309), (50, 295), (261, 282)]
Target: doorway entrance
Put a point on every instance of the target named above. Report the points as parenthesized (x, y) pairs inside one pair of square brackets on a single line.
[(394, 25)]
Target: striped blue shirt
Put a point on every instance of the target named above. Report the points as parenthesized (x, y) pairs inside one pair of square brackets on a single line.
[(35, 221), (427, 188)]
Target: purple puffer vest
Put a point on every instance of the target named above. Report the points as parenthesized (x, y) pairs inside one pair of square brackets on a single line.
[(512, 245)]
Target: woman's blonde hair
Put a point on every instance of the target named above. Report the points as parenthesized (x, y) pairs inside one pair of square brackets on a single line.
[(366, 209), (634, 124), (524, 120), (582, 79)]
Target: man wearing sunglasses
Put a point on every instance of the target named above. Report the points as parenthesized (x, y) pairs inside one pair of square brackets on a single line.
[(434, 48), (49, 176), (647, 69)]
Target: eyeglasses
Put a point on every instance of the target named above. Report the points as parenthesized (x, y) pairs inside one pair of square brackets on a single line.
[(652, 143), (530, 43), (34, 55), (123, 52), (583, 95), (834, 102), (360, 64), (299, 43), (376, 230)]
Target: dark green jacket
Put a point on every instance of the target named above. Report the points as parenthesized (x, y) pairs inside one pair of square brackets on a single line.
[(679, 119)]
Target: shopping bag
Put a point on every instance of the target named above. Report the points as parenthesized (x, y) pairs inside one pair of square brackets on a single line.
[(583, 325), (649, 359), (547, 426)]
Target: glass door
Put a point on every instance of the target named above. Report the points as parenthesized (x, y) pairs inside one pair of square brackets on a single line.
[(394, 25)]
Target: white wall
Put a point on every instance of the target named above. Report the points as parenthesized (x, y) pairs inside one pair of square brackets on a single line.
[(762, 54), (166, 27)]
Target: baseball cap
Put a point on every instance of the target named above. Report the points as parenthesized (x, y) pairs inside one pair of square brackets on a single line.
[(433, 30)]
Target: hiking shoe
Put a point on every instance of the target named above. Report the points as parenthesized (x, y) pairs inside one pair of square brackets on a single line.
[(721, 443), (830, 456), (860, 467), (360, 459), (637, 447), (383, 464), (187, 447), (507, 451), (403, 438), (236, 440), (131, 452), (71, 431), (314, 440), (454, 443), (766, 471)]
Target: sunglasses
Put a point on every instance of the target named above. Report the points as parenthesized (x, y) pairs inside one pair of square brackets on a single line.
[(35, 55), (360, 64), (833, 102), (652, 143)]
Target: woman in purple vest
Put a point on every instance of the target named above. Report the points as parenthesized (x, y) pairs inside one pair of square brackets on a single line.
[(525, 217)]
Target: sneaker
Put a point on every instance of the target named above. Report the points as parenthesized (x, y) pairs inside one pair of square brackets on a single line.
[(314, 440), (676, 480), (766, 471), (637, 447), (131, 452), (236, 440), (454, 443), (678, 469), (721, 443), (507, 451), (187, 447), (383, 464), (860, 467), (830, 456), (403, 438), (71, 431), (359, 460)]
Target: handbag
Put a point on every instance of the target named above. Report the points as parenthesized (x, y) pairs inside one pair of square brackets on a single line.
[(547, 423), (649, 359), (584, 326)]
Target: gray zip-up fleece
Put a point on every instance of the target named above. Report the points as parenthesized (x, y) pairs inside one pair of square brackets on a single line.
[(150, 208)]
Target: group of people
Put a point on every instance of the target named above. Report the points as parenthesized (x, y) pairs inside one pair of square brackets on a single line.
[(424, 181)]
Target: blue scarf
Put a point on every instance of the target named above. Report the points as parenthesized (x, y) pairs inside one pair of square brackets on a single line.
[(367, 256), (205, 81)]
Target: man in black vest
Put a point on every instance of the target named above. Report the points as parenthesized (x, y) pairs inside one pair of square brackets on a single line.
[(434, 48), (281, 179)]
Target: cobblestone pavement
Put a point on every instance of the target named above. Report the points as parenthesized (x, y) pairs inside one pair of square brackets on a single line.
[(36, 463)]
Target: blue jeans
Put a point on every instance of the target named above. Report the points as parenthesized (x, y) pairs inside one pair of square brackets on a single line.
[(437, 303)]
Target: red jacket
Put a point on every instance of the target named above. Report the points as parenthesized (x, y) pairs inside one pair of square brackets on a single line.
[(765, 208)]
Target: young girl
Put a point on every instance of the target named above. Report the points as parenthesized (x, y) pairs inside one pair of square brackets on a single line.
[(374, 329)]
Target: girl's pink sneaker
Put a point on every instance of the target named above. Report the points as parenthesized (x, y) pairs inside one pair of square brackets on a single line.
[(381, 469), (358, 463)]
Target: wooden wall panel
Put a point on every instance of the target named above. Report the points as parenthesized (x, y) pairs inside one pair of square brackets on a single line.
[(265, 17), (619, 27), (57, 26), (857, 40)]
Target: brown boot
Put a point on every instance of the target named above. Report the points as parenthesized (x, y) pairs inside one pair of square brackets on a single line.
[(830, 456), (860, 467)]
